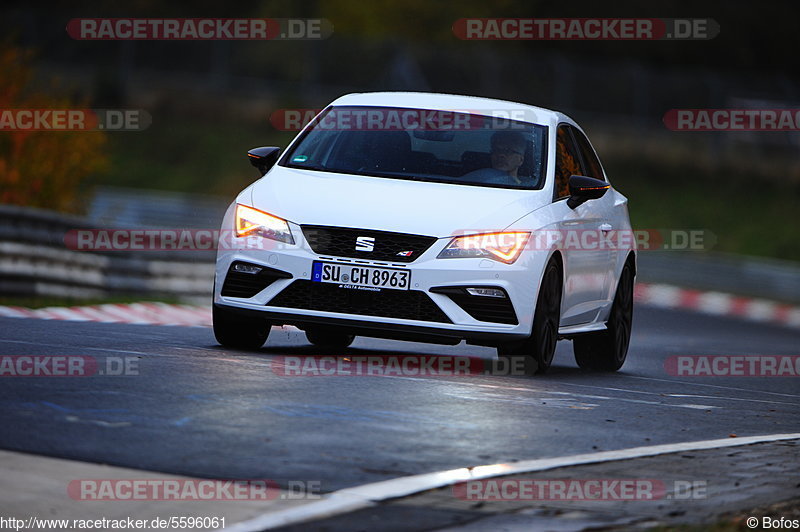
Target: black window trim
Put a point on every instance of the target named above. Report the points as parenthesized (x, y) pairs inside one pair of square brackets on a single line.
[(575, 132), (577, 150)]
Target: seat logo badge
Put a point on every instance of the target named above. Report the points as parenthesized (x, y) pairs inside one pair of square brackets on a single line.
[(365, 243)]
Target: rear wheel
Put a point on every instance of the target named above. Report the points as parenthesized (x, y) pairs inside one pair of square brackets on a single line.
[(607, 350), (540, 347), (329, 338), (237, 331)]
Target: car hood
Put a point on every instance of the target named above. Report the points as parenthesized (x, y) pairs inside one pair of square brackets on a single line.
[(343, 200)]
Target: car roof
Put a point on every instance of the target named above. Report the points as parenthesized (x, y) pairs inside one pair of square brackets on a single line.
[(453, 102)]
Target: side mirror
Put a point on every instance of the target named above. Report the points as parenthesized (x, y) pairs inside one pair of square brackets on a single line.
[(264, 158), (582, 188)]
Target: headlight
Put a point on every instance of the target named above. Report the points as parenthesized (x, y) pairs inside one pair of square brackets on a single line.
[(251, 221), (503, 247)]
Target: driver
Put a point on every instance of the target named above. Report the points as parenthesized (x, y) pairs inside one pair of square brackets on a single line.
[(507, 155)]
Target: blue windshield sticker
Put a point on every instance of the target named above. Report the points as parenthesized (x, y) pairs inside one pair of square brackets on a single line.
[(300, 159)]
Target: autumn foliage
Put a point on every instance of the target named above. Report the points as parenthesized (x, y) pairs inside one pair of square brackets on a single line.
[(42, 168)]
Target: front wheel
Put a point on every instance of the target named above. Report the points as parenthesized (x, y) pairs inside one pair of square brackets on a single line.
[(607, 350), (237, 331), (540, 346)]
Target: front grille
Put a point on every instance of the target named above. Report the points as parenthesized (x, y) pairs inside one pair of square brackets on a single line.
[(241, 284), (489, 309), (341, 242), (401, 304)]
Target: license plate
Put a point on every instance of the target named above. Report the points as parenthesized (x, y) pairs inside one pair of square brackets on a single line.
[(350, 276)]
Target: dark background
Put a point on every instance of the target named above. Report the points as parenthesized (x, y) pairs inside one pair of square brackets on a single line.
[(211, 101)]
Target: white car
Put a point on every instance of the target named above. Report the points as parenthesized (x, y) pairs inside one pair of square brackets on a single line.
[(432, 218)]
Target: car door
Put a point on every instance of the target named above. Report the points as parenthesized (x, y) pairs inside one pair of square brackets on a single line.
[(609, 211), (586, 259)]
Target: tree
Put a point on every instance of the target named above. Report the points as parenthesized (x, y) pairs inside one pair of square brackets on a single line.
[(42, 168)]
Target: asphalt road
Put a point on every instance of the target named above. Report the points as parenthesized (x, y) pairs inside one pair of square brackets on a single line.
[(198, 409)]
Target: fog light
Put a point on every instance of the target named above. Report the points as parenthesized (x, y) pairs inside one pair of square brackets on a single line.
[(486, 292), (246, 268)]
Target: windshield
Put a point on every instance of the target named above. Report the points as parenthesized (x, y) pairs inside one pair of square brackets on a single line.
[(424, 145)]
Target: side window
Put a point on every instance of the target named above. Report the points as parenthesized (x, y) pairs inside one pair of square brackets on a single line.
[(591, 163), (567, 161)]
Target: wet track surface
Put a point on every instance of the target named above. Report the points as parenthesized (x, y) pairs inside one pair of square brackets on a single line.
[(198, 409)]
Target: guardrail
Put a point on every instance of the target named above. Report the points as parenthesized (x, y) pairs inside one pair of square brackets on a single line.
[(35, 261), (772, 279)]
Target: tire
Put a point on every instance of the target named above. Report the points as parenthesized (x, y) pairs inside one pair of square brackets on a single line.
[(540, 347), (607, 350), (237, 331), (329, 339)]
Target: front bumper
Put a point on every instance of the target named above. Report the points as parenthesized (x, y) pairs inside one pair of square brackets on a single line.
[(435, 309)]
